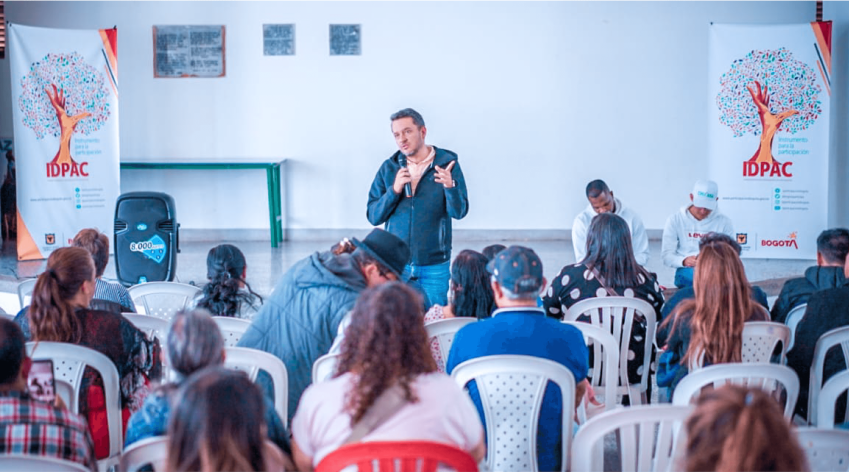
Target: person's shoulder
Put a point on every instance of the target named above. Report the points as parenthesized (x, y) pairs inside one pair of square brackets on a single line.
[(443, 156)]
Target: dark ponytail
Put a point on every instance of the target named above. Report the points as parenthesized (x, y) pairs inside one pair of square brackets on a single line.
[(51, 314), (222, 296)]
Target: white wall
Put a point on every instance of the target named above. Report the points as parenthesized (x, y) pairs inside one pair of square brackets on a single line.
[(537, 98)]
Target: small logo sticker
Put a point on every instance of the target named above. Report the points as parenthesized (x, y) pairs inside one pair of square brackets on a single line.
[(742, 238), (50, 238)]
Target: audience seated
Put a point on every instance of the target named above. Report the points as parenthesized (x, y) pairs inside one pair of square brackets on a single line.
[(59, 313), (469, 294), (686, 293), (29, 426), (827, 309), (602, 201), (228, 293), (518, 326), (734, 428), (832, 246), (609, 269), (217, 425), (708, 329), (684, 229), (97, 244), (491, 250), (386, 387), (299, 320), (194, 343)]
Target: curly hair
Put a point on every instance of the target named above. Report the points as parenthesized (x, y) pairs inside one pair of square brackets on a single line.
[(223, 296), (385, 344)]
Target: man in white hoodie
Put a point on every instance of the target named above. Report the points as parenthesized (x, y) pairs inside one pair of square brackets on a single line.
[(684, 229), (602, 201)]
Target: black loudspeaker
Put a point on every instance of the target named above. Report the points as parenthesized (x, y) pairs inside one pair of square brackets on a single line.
[(147, 238)]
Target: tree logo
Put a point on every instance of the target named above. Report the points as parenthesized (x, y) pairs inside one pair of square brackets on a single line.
[(765, 93), (62, 95)]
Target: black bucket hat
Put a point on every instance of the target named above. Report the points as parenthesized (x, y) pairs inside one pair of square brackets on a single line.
[(390, 250)]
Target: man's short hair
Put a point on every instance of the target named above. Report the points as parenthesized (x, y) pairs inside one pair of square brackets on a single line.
[(714, 237), (513, 295), (596, 188), (833, 244), (12, 351), (408, 113)]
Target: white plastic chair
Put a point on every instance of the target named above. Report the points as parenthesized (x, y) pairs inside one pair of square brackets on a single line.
[(651, 438), (153, 451), (792, 321), (826, 449), (605, 360), (511, 389), (25, 291), (443, 331), (69, 362), (162, 299), (616, 316), (324, 367), (251, 361), (761, 338), (8, 316), (40, 463), (149, 325), (827, 401), (770, 378), (231, 328), (836, 338)]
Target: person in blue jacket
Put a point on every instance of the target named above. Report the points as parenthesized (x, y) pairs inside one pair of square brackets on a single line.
[(416, 193)]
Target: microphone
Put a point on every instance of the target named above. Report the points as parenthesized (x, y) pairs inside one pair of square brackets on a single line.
[(408, 189)]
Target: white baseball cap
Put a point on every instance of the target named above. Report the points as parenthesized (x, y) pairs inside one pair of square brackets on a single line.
[(705, 194)]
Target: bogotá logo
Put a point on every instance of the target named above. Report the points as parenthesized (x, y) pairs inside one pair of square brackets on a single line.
[(63, 95), (789, 242), (765, 93)]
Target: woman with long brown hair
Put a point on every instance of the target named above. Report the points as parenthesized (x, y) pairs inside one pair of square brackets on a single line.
[(59, 313), (385, 358)]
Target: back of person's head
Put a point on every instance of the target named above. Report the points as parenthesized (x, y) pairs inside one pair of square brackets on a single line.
[(217, 423), (408, 113), (472, 293), (225, 267), (596, 188), (386, 343), (714, 237), (12, 351), (389, 253), (97, 244), (490, 251), (609, 251), (51, 314), (735, 428), (833, 244), (194, 342)]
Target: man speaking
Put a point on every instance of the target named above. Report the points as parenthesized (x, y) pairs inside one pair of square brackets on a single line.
[(415, 193)]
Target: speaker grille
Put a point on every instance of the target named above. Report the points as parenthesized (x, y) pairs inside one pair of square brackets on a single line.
[(120, 225), (167, 226)]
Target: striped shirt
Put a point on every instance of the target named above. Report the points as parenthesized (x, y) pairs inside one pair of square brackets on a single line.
[(113, 292), (29, 426)]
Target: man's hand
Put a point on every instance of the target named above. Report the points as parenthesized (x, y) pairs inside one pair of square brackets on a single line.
[(402, 178), (690, 261), (443, 176)]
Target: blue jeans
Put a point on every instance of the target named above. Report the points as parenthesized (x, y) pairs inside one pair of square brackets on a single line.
[(683, 277), (433, 280)]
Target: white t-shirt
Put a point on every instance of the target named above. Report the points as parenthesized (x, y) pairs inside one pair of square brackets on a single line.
[(683, 232), (639, 238), (444, 413)]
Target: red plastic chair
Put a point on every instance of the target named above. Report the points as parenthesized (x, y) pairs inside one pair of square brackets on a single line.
[(400, 456)]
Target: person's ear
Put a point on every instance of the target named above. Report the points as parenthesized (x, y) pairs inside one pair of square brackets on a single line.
[(245, 272), (691, 197), (26, 365), (423, 130), (820, 259), (544, 284), (496, 289), (223, 356)]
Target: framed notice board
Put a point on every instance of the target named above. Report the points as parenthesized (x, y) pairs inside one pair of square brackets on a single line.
[(189, 51)]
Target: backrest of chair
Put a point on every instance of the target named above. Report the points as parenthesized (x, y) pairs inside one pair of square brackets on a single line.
[(69, 361), (616, 316), (836, 338), (324, 367), (149, 451), (826, 449), (8, 316), (149, 325), (162, 299), (761, 338), (25, 291), (443, 332), (605, 360), (401, 456), (232, 329), (792, 321), (771, 378), (40, 463), (511, 389), (651, 438), (827, 401), (252, 361)]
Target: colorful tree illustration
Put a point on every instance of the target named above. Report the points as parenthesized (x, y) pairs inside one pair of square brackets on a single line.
[(767, 92), (61, 95)]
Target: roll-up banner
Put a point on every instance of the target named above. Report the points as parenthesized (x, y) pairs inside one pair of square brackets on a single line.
[(768, 95), (65, 111)]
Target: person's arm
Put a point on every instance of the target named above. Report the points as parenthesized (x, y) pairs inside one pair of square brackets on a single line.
[(382, 198), (456, 197), (303, 462), (640, 241), (580, 391), (579, 238), (479, 452), (669, 244)]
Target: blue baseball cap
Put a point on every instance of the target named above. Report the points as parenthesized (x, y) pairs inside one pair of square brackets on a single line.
[(518, 269)]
